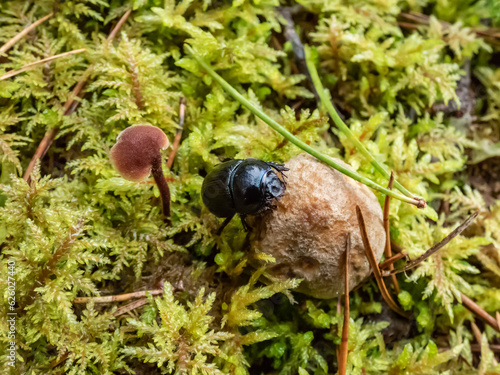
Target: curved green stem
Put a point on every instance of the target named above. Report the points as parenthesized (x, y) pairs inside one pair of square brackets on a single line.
[(297, 142), (325, 99)]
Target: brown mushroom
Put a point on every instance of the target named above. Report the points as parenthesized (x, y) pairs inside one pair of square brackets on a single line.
[(137, 153), (307, 231)]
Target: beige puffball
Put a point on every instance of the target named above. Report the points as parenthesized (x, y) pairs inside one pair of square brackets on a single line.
[(307, 231)]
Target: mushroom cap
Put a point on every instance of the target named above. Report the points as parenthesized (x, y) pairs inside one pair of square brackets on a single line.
[(307, 231), (135, 150)]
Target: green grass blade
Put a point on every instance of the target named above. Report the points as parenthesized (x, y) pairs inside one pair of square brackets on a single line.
[(325, 100), (297, 142)]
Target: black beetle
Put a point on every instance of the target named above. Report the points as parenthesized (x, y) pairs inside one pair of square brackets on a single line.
[(244, 187)]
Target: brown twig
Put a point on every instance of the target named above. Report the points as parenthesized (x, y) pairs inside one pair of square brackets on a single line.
[(119, 25), (388, 250), (373, 263), (491, 34), (177, 139), (118, 297), (392, 260), (476, 332), (479, 312), (40, 62), (51, 265), (56, 362), (436, 247), (130, 306), (474, 348), (16, 38), (69, 108), (344, 347)]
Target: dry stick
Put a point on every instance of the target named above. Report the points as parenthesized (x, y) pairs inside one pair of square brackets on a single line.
[(118, 297), (51, 134), (498, 318), (373, 263), (14, 40), (118, 26), (392, 260), (130, 306), (388, 250), (56, 362), (474, 348), (177, 139), (479, 312), (39, 62), (415, 262), (476, 332), (421, 19), (345, 328), (477, 348)]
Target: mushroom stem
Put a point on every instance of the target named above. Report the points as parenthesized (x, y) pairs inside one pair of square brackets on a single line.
[(161, 182)]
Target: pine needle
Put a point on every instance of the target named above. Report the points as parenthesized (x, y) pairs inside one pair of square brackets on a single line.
[(344, 347), (373, 263), (40, 62), (19, 36)]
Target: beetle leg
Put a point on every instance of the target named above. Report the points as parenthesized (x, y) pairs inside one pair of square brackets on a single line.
[(247, 227), (279, 167), (226, 222)]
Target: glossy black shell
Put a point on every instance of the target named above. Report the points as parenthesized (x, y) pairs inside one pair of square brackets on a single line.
[(245, 187)]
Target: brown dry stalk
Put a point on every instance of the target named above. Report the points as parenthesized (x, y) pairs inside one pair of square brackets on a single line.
[(130, 306), (16, 38), (119, 25), (49, 268), (477, 348), (388, 250), (56, 362), (392, 260), (118, 297), (480, 313), (344, 347), (436, 247), (69, 108), (373, 263), (491, 34), (477, 332), (39, 62), (177, 139)]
